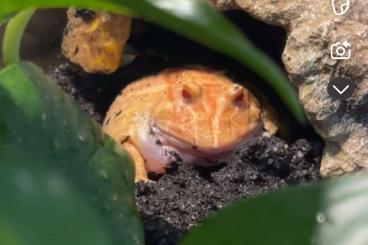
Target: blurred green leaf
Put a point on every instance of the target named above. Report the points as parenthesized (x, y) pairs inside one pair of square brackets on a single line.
[(13, 36), (39, 206), (333, 212), (193, 19), (43, 129)]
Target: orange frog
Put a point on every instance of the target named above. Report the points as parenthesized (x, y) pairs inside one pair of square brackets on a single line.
[(193, 115)]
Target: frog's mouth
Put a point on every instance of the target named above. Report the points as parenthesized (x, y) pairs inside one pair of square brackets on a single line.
[(160, 148)]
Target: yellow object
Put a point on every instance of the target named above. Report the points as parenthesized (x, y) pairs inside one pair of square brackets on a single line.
[(96, 44)]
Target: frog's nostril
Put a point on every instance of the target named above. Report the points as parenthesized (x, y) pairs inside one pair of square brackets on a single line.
[(237, 94), (239, 98), (190, 90), (185, 94)]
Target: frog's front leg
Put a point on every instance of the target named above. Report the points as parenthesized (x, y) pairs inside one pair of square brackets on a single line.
[(140, 170)]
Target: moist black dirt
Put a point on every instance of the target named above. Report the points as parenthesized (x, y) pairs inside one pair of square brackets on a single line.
[(184, 196)]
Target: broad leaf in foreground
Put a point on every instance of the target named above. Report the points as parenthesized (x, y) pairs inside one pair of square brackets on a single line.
[(39, 207), (328, 213), (43, 129), (193, 19)]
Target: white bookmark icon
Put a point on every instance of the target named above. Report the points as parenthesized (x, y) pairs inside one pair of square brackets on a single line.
[(340, 7)]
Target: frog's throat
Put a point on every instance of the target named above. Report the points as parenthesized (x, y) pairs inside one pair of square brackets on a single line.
[(207, 152), (160, 148)]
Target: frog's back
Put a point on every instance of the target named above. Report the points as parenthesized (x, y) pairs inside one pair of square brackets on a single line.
[(133, 102)]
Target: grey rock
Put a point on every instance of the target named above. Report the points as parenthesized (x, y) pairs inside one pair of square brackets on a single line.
[(312, 29)]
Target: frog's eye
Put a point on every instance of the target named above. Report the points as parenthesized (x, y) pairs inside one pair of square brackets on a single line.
[(236, 94), (190, 90)]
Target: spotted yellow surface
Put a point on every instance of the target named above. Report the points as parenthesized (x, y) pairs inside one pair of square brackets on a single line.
[(96, 43)]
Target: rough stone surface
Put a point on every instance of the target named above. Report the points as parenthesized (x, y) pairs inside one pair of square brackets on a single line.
[(95, 39), (312, 29)]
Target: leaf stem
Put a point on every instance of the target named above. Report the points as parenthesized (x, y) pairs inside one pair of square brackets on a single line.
[(13, 36)]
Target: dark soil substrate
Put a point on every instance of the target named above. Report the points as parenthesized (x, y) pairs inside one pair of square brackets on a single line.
[(186, 195), (177, 201)]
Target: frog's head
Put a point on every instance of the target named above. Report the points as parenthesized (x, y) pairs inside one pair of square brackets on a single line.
[(205, 110)]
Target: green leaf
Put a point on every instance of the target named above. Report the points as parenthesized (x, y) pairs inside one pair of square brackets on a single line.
[(39, 206), (13, 36), (333, 212), (41, 128), (193, 19)]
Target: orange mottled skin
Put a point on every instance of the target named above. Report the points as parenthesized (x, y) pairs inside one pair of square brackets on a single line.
[(194, 108)]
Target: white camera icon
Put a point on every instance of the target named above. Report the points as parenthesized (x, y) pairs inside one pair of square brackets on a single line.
[(341, 51)]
